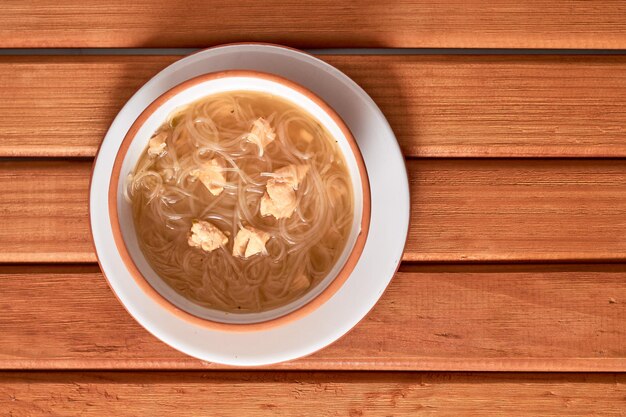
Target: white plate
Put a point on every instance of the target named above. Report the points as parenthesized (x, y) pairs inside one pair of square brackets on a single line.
[(380, 257)]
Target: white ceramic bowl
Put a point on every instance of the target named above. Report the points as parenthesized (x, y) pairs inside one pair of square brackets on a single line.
[(390, 213), (136, 141)]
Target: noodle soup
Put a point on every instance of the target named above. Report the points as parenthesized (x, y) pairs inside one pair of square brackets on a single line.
[(242, 202)]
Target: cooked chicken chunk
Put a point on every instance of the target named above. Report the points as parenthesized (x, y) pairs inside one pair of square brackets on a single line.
[(250, 241), (206, 236), (292, 174), (211, 175), (156, 145), (261, 134), (280, 197)]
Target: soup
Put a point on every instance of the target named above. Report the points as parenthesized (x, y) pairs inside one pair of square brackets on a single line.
[(242, 202)]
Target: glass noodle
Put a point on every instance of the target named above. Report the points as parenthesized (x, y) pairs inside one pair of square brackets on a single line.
[(167, 199)]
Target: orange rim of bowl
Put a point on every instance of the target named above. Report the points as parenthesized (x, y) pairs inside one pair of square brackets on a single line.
[(301, 311)]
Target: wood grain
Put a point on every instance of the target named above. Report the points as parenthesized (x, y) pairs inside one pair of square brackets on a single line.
[(462, 210), (488, 318), (43, 212), (439, 106), (517, 210), (320, 394), (320, 23)]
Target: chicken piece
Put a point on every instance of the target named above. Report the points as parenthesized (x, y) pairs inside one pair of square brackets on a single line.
[(280, 197), (279, 200), (250, 241), (261, 134), (211, 176), (157, 145), (292, 174), (299, 284), (206, 236)]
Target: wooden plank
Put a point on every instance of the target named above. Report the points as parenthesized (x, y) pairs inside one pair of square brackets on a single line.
[(462, 210), (564, 106), (284, 394), (517, 210), (320, 23), (44, 213), (486, 318), (63, 106)]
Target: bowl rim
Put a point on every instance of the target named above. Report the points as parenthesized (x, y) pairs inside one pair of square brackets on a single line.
[(305, 309)]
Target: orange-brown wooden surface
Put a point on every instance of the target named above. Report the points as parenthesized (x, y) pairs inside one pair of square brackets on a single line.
[(516, 254), (438, 105), (462, 210), (44, 213), (503, 318), (320, 23), (233, 394)]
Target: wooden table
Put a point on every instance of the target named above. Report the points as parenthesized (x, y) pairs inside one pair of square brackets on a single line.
[(512, 296)]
